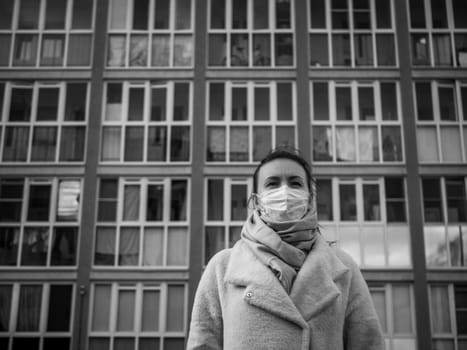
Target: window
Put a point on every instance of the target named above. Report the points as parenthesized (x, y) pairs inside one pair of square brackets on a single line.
[(142, 222), (138, 316), (394, 304), (41, 34), (438, 33), (441, 125), (36, 129), (367, 218), (36, 315), (356, 122), (448, 311), (346, 33), (39, 221), (147, 122), (150, 33), (226, 210), (245, 120), (247, 33), (444, 204)]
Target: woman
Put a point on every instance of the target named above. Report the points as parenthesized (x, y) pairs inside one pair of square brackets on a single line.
[(282, 286)]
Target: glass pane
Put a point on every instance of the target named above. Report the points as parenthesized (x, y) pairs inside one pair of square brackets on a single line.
[(432, 200), (217, 49), (373, 246), (341, 50), (343, 103), (234, 235), (119, 12), (160, 50), (368, 144), (438, 14), (461, 49), (424, 101), (239, 144), (180, 144), (319, 54), (149, 343), (324, 200), (150, 310), (15, 147), (322, 143), (44, 144), (285, 136), (262, 111), (216, 101), (363, 50), (349, 242), (435, 246), (175, 308), (55, 14), (157, 143), (443, 344), (72, 144), (456, 199), (101, 308), (347, 199), (53, 46), (59, 308), (238, 205), (64, 246), (47, 106), (134, 143), (28, 14), (20, 105), (11, 194), (447, 109), (177, 344), (162, 15), (111, 143), (140, 14), (239, 103), (155, 201), (402, 309), (283, 14), (39, 202), (439, 308), (398, 238), (239, 14), (182, 14), (318, 13), (417, 13), (82, 14), (366, 103), (5, 298), (128, 252), (177, 247), (75, 104), (99, 343), (126, 310), (138, 51), (404, 344), (284, 101), (345, 144), (218, 14), (178, 200), (57, 343), (261, 50), (136, 104), (216, 144), (442, 49), (29, 308), (131, 202), (116, 51), (392, 143), (261, 142), (181, 101), (26, 343), (371, 203), (379, 301), (451, 146), (389, 101), (284, 49), (6, 15), (239, 50), (455, 245), (320, 101), (114, 102), (158, 103), (153, 247), (183, 50), (427, 145), (395, 200), (25, 50), (215, 200), (383, 14), (420, 49), (214, 241), (9, 239), (385, 49), (260, 14), (5, 45), (105, 246)]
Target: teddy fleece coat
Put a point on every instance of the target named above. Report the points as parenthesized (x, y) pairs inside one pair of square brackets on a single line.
[(240, 304)]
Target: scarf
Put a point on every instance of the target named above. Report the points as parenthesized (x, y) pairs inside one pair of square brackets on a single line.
[(281, 246)]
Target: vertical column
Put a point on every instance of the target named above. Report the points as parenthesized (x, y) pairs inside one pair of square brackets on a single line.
[(198, 151), (302, 80), (90, 178), (413, 179)]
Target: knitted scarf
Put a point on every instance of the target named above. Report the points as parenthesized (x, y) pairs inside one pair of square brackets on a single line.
[(283, 246)]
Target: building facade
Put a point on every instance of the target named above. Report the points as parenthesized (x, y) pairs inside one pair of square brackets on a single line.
[(129, 131)]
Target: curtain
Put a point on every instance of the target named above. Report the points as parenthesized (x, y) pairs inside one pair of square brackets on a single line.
[(322, 143), (52, 50), (64, 246), (138, 50), (363, 50), (216, 144), (427, 144), (239, 144), (451, 146), (72, 144), (442, 50), (29, 308), (131, 203), (345, 144), (25, 50), (177, 246), (79, 50), (105, 246), (16, 143), (368, 144), (35, 246), (180, 143), (117, 49), (183, 50), (153, 246), (160, 50), (129, 246), (111, 143), (5, 307), (44, 143)]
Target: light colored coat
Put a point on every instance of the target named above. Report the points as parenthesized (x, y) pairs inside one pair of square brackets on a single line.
[(240, 304)]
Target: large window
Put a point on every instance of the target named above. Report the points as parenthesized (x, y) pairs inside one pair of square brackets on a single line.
[(356, 122), (147, 122), (43, 122), (246, 119), (394, 304), (247, 33), (142, 222), (39, 221), (448, 311), (441, 108), (445, 209), (138, 316), (36, 315), (368, 219), (45, 33), (226, 209), (150, 33), (347, 33), (438, 32)]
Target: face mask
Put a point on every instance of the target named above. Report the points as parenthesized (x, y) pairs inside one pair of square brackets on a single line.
[(284, 203)]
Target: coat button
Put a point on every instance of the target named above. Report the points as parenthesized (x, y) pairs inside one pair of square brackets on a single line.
[(249, 294)]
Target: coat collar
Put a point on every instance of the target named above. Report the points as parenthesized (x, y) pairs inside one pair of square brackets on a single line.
[(314, 287)]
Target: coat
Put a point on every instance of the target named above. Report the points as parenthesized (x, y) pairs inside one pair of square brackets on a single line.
[(240, 304)]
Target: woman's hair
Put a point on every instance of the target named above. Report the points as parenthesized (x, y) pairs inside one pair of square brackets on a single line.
[(284, 152)]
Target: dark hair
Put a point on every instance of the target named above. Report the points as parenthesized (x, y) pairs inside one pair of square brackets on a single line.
[(284, 152)]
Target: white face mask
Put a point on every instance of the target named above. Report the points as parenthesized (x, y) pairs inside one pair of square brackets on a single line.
[(284, 203)]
